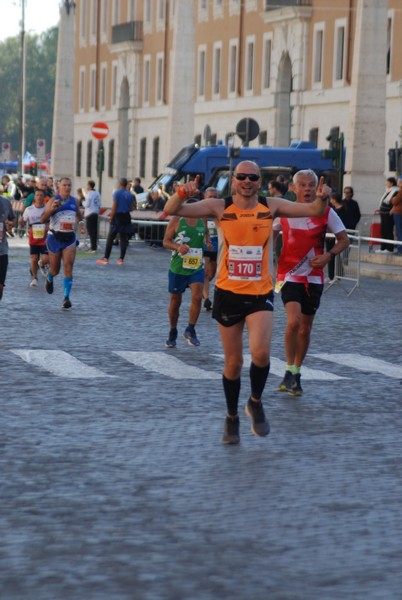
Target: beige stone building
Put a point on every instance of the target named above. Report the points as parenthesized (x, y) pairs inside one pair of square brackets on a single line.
[(159, 71)]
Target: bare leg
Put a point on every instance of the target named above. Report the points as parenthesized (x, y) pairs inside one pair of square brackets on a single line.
[(68, 260), (259, 327), (34, 265), (232, 342), (293, 313), (174, 309), (196, 298), (54, 263), (303, 341)]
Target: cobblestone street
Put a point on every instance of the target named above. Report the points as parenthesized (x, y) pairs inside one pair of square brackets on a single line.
[(114, 484)]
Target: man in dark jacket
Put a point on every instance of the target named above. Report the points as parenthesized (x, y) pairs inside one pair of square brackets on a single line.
[(352, 211)]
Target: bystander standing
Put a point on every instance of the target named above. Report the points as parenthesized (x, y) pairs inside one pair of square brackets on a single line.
[(396, 212), (92, 204)]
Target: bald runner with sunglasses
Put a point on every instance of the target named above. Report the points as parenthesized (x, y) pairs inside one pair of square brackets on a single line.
[(244, 288)]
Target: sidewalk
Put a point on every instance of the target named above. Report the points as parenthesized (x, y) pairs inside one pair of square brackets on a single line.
[(380, 266)]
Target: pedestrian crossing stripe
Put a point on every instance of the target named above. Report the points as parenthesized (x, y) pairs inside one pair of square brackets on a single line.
[(170, 366), (63, 364), (277, 367), (363, 363), (60, 363)]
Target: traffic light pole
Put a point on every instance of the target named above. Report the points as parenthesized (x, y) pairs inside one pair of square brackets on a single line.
[(336, 152), (341, 160)]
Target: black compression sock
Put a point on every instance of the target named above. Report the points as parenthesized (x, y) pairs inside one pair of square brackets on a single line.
[(258, 378), (231, 388)]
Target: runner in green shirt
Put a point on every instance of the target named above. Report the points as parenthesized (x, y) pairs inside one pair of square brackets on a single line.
[(185, 238)]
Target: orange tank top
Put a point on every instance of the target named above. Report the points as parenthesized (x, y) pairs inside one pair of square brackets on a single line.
[(245, 249)]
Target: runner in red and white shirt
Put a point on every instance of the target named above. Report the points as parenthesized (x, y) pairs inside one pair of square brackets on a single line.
[(37, 233), (300, 275)]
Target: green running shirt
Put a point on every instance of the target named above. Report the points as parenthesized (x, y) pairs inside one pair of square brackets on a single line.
[(194, 237)]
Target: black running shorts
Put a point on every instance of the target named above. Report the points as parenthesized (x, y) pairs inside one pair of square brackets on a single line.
[(3, 267), (229, 308), (38, 250), (307, 296)]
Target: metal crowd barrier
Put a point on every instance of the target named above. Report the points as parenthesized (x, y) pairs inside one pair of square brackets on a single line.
[(146, 229), (347, 264), (18, 207)]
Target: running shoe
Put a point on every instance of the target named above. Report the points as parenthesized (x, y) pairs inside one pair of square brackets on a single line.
[(191, 337), (207, 304), (120, 261), (231, 431), (102, 261), (43, 268), (49, 286), (34, 282), (171, 341), (286, 382), (296, 388), (91, 251), (66, 303), (259, 424)]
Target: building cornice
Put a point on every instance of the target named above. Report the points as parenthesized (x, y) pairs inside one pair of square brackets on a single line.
[(291, 13)]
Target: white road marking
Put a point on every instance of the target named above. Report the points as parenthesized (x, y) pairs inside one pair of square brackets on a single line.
[(59, 363), (278, 368), (167, 365), (364, 363), (63, 364)]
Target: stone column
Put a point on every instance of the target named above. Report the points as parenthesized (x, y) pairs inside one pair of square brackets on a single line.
[(182, 77), (63, 116), (365, 141)]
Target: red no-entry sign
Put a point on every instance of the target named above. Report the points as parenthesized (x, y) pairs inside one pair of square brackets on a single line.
[(99, 130)]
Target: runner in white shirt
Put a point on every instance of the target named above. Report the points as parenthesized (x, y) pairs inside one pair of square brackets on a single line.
[(37, 233)]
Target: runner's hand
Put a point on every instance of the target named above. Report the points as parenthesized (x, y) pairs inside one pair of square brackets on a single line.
[(191, 188), (183, 249), (323, 190)]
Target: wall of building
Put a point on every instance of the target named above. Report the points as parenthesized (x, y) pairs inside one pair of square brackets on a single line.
[(315, 103)]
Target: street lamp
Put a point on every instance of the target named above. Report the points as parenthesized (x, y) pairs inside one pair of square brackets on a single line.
[(22, 89)]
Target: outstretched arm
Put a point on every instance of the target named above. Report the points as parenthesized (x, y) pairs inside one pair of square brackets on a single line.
[(285, 208), (211, 207)]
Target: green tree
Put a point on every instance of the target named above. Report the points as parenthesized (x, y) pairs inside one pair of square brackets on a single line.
[(41, 56)]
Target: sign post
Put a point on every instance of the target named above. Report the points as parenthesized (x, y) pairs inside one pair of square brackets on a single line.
[(99, 131), (100, 163), (5, 154), (247, 130), (40, 153)]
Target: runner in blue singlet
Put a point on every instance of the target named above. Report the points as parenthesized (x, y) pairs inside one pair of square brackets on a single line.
[(62, 213)]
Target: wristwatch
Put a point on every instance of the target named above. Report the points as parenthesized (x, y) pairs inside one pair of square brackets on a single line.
[(332, 253)]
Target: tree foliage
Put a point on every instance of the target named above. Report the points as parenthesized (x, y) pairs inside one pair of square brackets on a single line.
[(41, 56)]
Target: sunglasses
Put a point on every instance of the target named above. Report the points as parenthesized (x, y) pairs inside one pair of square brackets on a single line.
[(244, 176)]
